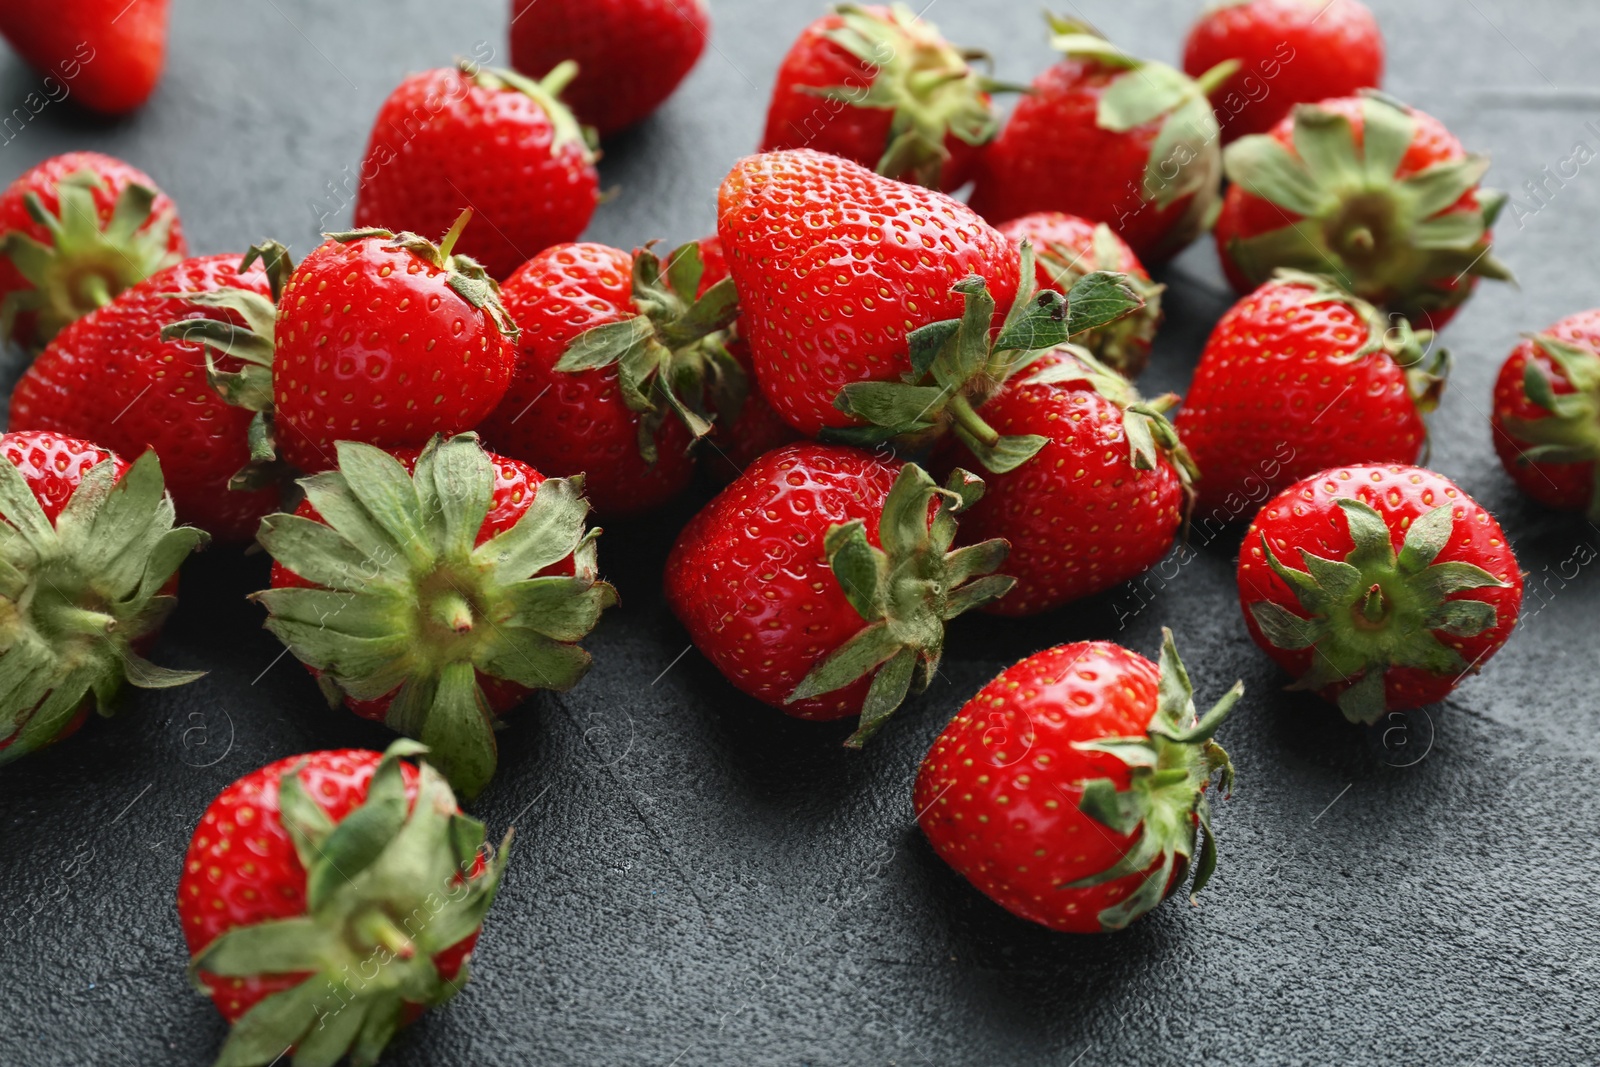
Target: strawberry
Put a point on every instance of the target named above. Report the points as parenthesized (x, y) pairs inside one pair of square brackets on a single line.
[(1072, 789), (109, 52), (1289, 52), (881, 87), (631, 54), (1547, 415), (110, 375), (1128, 142), (1103, 499), (1378, 587), (75, 231), (88, 555), (819, 582), (328, 899), (1067, 248), (1374, 193), (1300, 376), (434, 590)]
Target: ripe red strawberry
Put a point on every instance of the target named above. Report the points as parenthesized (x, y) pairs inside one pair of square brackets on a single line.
[(88, 555), (1547, 415), (491, 140), (1071, 789), (1066, 248), (631, 54), (435, 590), (328, 899), (881, 87), (1300, 376), (1378, 587), (819, 582), (1128, 142), (109, 53), (110, 376), (1100, 503), (1289, 52), (75, 231), (1411, 235)]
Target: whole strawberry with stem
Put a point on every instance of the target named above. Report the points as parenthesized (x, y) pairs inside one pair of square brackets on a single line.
[(435, 590), (1546, 415), (1375, 194), (880, 86), (1300, 376), (76, 230), (1128, 142), (1071, 790), (329, 899), (819, 582), (109, 53), (1378, 587), (631, 54), (491, 140), (88, 559), (1289, 52), (113, 377)]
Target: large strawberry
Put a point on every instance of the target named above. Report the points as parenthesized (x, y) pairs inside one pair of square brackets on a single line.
[(434, 590), (1547, 415), (1300, 376), (631, 54), (1072, 789), (109, 53), (1289, 52), (490, 140), (111, 376), (88, 555), (1365, 189), (75, 231), (1378, 587), (819, 582), (328, 899), (880, 86), (1128, 142)]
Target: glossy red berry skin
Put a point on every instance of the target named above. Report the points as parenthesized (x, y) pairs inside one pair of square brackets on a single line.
[(1567, 486), (109, 53), (1074, 234)]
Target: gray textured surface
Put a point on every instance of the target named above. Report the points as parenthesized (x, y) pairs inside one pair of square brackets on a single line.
[(698, 880)]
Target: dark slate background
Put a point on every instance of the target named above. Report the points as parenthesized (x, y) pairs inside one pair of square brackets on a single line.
[(699, 880)]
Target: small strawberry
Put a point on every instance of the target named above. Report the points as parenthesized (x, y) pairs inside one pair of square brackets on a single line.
[(1300, 376), (490, 140), (111, 376), (1376, 194), (75, 231), (1103, 499), (1072, 789), (1066, 248), (1128, 142), (1378, 587), (328, 899), (819, 582), (1289, 52), (109, 52), (434, 590), (881, 87), (1547, 415), (631, 54), (88, 559)]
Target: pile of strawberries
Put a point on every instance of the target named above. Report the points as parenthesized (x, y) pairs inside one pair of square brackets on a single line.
[(916, 408)]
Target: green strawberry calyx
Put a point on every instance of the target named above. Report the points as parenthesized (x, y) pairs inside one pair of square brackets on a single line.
[(1124, 344), (84, 264), (1377, 609), (957, 364), (905, 591), (408, 606), (671, 357), (76, 597), (1570, 432), (546, 92), (388, 888), (1168, 771), (1406, 244)]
